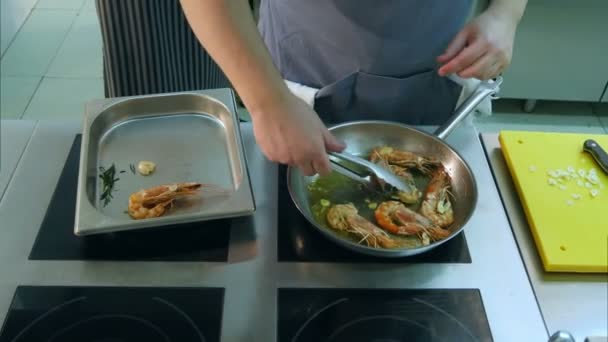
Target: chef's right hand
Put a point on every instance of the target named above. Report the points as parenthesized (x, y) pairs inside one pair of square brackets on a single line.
[(290, 132)]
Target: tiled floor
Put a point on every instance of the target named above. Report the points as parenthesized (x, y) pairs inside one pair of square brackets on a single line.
[(37, 42), (51, 66), (12, 15), (62, 97), (16, 93)]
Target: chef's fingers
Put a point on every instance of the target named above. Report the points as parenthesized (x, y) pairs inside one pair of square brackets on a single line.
[(481, 68), (465, 57), (496, 69), (322, 166), (307, 168), (332, 144), (455, 46), (493, 70)]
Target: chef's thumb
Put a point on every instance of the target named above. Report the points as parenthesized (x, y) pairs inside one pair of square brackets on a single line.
[(332, 144)]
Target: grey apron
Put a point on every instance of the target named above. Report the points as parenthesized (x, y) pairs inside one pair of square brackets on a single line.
[(371, 59)]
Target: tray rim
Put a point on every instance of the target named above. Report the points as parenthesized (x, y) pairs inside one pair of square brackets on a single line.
[(101, 223)]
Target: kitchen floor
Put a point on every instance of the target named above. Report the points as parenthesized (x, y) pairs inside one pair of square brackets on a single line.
[(51, 65)]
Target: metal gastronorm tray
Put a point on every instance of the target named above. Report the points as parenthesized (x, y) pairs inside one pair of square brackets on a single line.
[(191, 136)]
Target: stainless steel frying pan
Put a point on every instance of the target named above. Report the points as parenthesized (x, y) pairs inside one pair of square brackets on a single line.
[(362, 136)]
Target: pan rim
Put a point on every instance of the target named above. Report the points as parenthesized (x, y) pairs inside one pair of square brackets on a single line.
[(383, 252)]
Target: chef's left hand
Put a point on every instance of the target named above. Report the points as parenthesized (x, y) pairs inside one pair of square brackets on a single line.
[(482, 49)]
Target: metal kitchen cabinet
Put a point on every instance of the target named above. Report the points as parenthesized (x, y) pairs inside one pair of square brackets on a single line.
[(560, 52)]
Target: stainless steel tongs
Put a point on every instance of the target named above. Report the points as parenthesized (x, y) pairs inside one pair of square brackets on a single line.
[(370, 169)]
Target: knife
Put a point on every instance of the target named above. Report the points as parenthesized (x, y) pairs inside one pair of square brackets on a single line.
[(597, 152)]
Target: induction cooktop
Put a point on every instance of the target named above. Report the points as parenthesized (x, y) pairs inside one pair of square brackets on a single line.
[(112, 314), (381, 315), (202, 241)]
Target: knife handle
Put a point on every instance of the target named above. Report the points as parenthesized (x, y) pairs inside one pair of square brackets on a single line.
[(597, 152)]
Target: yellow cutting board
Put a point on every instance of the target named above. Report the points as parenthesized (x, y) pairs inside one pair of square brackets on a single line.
[(571, 233)]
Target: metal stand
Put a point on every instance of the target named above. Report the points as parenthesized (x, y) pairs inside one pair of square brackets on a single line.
[(529, 106), (561, 336)]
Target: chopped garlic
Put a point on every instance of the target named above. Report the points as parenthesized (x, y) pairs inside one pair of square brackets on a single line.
[(584, 178), (532, 168), (426, 239), (145, 167), (593, 179)]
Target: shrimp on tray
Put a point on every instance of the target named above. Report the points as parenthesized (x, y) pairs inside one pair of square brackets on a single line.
[(155, 201)]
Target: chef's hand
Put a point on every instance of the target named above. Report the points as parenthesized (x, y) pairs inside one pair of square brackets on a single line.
[(290, 132), (482, 49)]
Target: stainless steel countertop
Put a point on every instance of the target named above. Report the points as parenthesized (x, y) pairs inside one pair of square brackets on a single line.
[(577, 303), (252, 274), (14, 136)]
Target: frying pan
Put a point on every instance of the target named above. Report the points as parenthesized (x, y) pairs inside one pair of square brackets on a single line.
[(362, 136)]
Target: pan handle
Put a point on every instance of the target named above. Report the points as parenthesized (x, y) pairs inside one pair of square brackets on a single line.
[(483, 90)]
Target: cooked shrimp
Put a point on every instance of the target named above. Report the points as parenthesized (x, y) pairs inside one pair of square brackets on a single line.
[(396, 218), (436, 204), (406, 197), (405, 158), (154, 202), (345, 217)]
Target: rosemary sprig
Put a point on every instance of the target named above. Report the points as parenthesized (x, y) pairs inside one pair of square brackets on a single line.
[(132, 167), (108, 180)]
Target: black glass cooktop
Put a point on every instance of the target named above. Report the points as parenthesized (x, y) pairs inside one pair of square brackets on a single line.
[(109, 314), (298, 240), (381, 315), (203, 241)]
